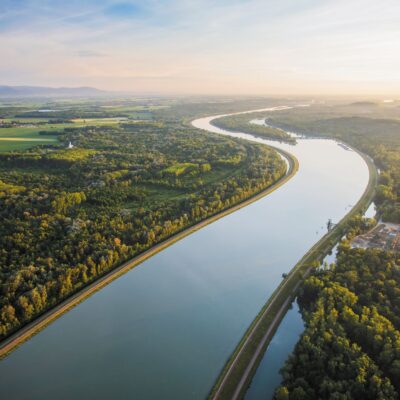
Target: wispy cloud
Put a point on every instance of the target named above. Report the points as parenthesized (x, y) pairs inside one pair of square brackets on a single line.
[(246, 46), (89, 53)]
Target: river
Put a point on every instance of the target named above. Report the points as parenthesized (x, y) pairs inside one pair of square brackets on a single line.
[(166, 328)]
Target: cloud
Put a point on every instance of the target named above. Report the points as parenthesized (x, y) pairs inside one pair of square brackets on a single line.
[(202, 45), (89, 53)]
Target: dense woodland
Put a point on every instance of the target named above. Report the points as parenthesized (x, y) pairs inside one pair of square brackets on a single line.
[(370, 127), (350, 348), (240, 123), (70, 215)]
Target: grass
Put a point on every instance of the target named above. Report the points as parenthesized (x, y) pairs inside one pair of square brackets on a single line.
[(286, 290), (125, 108), (219, 173), (135, 111), (24, 132), (154, 195), (158, 193), (71, 154), (20, 133), (30, 132), (96, 121), (180, 168), (8, 187), (20, 145), (24, 120)]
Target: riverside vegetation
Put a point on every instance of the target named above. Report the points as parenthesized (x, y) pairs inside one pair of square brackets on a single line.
[(240, 123), (71, 215), (350, 348)]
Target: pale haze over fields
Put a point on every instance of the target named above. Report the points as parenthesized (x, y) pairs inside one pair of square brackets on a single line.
[(204, 46)]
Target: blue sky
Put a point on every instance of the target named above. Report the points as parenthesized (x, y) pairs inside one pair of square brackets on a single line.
[(204, 47)]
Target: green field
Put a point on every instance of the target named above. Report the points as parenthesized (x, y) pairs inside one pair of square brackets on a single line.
[(30, 133), (180, 168), (69, 113), (20, 133), (17, 145), (120, 190)]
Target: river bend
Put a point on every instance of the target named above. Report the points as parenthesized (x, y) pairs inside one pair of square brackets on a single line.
[(166, 328)]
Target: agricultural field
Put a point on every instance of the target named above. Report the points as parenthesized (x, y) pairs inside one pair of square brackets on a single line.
[(23, 126), (123, 186)]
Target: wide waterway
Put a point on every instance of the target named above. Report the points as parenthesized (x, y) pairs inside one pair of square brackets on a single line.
[(267, 376), (166, 328)]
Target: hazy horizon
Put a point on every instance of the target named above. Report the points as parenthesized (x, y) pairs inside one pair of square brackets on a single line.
[(254, 47)]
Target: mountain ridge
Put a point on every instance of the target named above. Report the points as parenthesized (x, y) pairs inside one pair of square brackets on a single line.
[(26, 90)]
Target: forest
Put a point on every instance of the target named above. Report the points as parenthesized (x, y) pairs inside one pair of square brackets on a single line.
[(350, 348), (240, 123), (71, 215), (371, 127)]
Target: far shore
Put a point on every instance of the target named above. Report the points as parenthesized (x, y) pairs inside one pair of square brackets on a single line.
[(33, 327), (239, 370)]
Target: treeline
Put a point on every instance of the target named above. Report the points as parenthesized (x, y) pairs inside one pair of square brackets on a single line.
[(69, 114), (241, 123), (350, 348), (377, 136), (70, 215)]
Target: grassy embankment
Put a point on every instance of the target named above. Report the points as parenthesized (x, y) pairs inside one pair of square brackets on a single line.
[(17, 338), (240, 368)]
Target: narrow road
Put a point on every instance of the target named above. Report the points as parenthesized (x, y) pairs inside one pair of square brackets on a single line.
[(260, 347), (266, 338), (256, 354), (245, 359)]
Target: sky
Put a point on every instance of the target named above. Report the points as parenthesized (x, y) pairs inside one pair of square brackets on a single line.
[(247, 47)]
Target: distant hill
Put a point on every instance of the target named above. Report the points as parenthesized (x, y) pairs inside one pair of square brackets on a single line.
[(363, 104), (35, 91)]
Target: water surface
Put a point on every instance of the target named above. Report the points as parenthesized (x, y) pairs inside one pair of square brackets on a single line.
[(165, 329), (267, 377)]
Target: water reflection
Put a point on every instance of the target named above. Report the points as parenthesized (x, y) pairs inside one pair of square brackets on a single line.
[(166, 328)]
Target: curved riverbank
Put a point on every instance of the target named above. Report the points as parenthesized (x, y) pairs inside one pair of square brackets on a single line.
[(23, 334), (239, 370), (241, 366), (167, 328)]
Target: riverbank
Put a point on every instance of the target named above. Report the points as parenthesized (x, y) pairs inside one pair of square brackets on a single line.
[(23, 334), (239, 370)]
